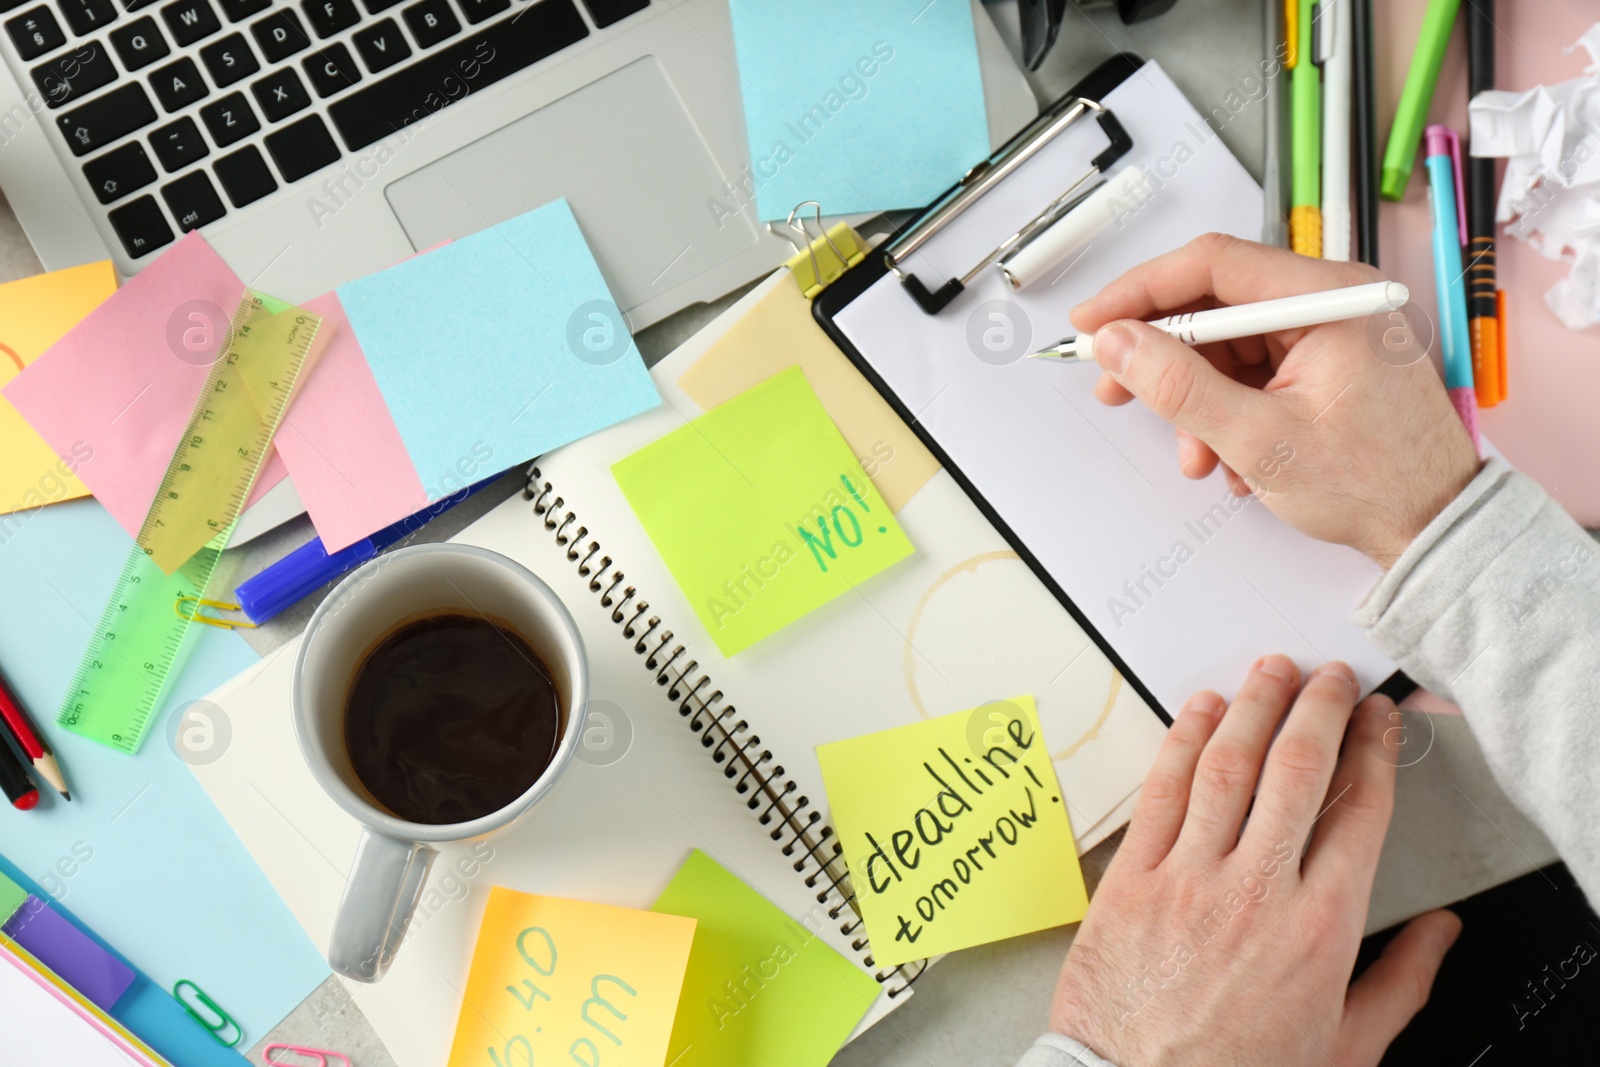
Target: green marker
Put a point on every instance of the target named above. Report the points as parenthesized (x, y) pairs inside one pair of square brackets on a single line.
[(1406, 134), (1305, 132)]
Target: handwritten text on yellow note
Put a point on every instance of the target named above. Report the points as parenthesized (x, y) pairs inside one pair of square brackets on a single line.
[(558, 981), (954, 831)]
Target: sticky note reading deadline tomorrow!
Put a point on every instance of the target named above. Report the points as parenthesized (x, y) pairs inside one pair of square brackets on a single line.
[(761, 511), (568, 981), (954, 831)]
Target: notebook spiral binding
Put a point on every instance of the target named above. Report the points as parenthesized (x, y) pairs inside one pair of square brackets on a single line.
[(772, 795)]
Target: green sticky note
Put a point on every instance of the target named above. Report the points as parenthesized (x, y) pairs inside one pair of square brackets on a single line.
[(761, 511), (761, 988), (954, 831), (12, 897)]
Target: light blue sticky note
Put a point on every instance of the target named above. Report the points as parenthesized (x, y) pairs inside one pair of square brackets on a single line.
[(861, 106), (140, 855), (498, 347)]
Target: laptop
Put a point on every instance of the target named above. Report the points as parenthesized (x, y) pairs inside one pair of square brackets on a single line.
[(315, 141)]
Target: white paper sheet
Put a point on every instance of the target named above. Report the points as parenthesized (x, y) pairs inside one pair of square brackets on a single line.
[(1188, 583), (1550, 196)]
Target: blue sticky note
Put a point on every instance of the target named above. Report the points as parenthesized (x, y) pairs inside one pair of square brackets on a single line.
[(497, 347), (861, 106), (140, 854)]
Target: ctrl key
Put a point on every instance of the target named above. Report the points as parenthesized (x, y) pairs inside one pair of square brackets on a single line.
[(141, 226)]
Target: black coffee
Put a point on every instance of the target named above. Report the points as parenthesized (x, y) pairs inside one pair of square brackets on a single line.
[(451, 717)]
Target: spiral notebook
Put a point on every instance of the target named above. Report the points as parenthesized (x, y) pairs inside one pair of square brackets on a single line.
[(705, 752)]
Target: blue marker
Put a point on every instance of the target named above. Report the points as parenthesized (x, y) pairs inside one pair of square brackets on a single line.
[(310, 567), (1449, 235)]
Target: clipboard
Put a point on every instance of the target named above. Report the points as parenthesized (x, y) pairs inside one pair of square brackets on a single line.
[(912, 271)]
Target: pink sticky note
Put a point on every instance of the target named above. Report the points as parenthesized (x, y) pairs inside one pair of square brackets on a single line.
[(340, 444), (122, 383)]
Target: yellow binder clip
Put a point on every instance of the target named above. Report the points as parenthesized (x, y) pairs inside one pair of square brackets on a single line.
[(818, 261)]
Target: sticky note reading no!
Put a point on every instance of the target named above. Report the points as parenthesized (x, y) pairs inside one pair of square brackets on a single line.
[(955, 831), (761, 511)]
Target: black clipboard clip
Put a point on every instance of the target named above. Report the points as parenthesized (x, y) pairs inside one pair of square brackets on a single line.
[(990, 173)]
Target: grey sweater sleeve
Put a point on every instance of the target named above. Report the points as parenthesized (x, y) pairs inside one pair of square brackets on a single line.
[(1058, 1050), (1497, 606)]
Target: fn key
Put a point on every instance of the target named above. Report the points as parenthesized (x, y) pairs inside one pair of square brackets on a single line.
[(141, 226)]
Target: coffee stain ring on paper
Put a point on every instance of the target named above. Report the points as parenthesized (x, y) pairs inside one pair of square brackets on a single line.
[(970, 565)]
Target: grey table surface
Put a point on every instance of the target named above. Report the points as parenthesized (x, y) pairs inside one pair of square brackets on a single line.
[(1454, 832)]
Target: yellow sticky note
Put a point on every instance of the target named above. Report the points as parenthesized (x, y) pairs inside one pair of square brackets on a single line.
[(779, 332), (761, 511), (567, 981), (762, 988), (954, 831), (34, 314)]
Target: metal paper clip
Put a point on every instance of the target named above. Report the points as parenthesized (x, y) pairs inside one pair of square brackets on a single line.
[(193, 612), (991, 172), (320, 1057), (219, 1024), (847, 248)]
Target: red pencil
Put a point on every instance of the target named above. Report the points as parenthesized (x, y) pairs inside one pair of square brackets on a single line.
[(28, 739), (14, 780)]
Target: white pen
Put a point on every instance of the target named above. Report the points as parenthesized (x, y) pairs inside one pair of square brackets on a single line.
[(1333, 31), (1247, 320)]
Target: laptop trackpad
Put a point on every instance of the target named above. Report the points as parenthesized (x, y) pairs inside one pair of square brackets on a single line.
[(602, 147)]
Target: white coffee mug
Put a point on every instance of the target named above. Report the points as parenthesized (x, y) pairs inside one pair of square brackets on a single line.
[(392, 861)]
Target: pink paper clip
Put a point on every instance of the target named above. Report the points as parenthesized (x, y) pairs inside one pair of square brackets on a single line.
[(318, 1057)]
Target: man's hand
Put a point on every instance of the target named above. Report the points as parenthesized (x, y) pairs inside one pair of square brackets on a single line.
[(1217, 939), (1343, 433)]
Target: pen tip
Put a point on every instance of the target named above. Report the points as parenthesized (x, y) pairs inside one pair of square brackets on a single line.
[(27, 801)]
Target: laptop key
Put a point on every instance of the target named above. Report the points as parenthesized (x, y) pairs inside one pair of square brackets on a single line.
[(245, 176), (35, 32), (74, 74), (280, 35), (381, 45), (177, 85), (106, 119), (239, 10), (141, 226), (280, 94), (193, 201), (230, 119), (328, 17), (375, 6), (10, 5), (475, 62), (605, 12), (229, 59), (86, 16), (139, 43), (119, 172), (190, 20), (331, 70), (178, 144), (431, 21), (478, 10), (302, 148)]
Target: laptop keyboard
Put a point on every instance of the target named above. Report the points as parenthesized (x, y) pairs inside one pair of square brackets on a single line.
[(181, 112)]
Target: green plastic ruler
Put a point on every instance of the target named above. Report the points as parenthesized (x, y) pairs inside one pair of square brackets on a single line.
[(139, 641)]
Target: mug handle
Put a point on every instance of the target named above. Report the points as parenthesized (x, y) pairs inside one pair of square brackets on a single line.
[(385, 882)]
